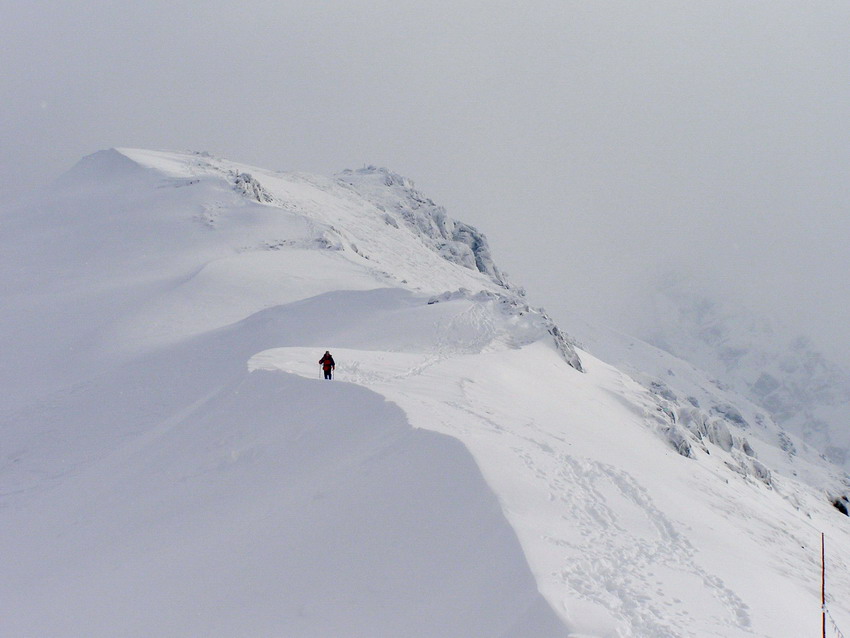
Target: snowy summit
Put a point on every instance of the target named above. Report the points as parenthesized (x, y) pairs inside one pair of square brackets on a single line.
[(174, 462)]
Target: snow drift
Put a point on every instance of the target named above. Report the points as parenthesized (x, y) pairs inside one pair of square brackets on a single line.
[(173, 463)]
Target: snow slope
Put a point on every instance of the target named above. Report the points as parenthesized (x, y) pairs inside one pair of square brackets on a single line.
[(172, 463), (783, 373)]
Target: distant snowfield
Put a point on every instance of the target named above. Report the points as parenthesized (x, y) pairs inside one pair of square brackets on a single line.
[(174, 465)]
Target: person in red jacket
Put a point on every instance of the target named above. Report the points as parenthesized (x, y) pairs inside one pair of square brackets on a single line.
[(328, 365)]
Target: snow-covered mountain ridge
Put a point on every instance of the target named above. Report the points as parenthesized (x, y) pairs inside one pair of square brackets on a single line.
[(803, 390), (174, 465)]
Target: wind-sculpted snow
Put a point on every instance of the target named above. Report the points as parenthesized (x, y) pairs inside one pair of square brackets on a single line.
[(455, 241), (172, 462), (527, 324)]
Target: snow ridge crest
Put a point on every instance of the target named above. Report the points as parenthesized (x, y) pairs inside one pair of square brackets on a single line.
[(528, 323)]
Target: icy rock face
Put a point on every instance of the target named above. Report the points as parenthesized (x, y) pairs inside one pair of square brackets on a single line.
[(245, 184), (457, 242), (719, 428), (797, 385)]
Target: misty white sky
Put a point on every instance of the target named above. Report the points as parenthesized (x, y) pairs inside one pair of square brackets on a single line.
[(595, 143)]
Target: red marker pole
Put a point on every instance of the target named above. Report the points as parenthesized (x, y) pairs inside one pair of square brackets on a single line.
[(823, 581)]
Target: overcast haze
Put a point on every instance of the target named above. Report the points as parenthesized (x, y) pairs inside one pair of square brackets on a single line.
[(595, 143)]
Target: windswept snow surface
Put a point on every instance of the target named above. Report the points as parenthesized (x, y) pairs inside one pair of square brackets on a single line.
[(173, 464)]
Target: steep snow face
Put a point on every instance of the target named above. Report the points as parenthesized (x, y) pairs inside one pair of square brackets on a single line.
[(799, 387), (173, 463)]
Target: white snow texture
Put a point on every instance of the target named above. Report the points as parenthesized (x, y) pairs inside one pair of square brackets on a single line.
[(173, 464)]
